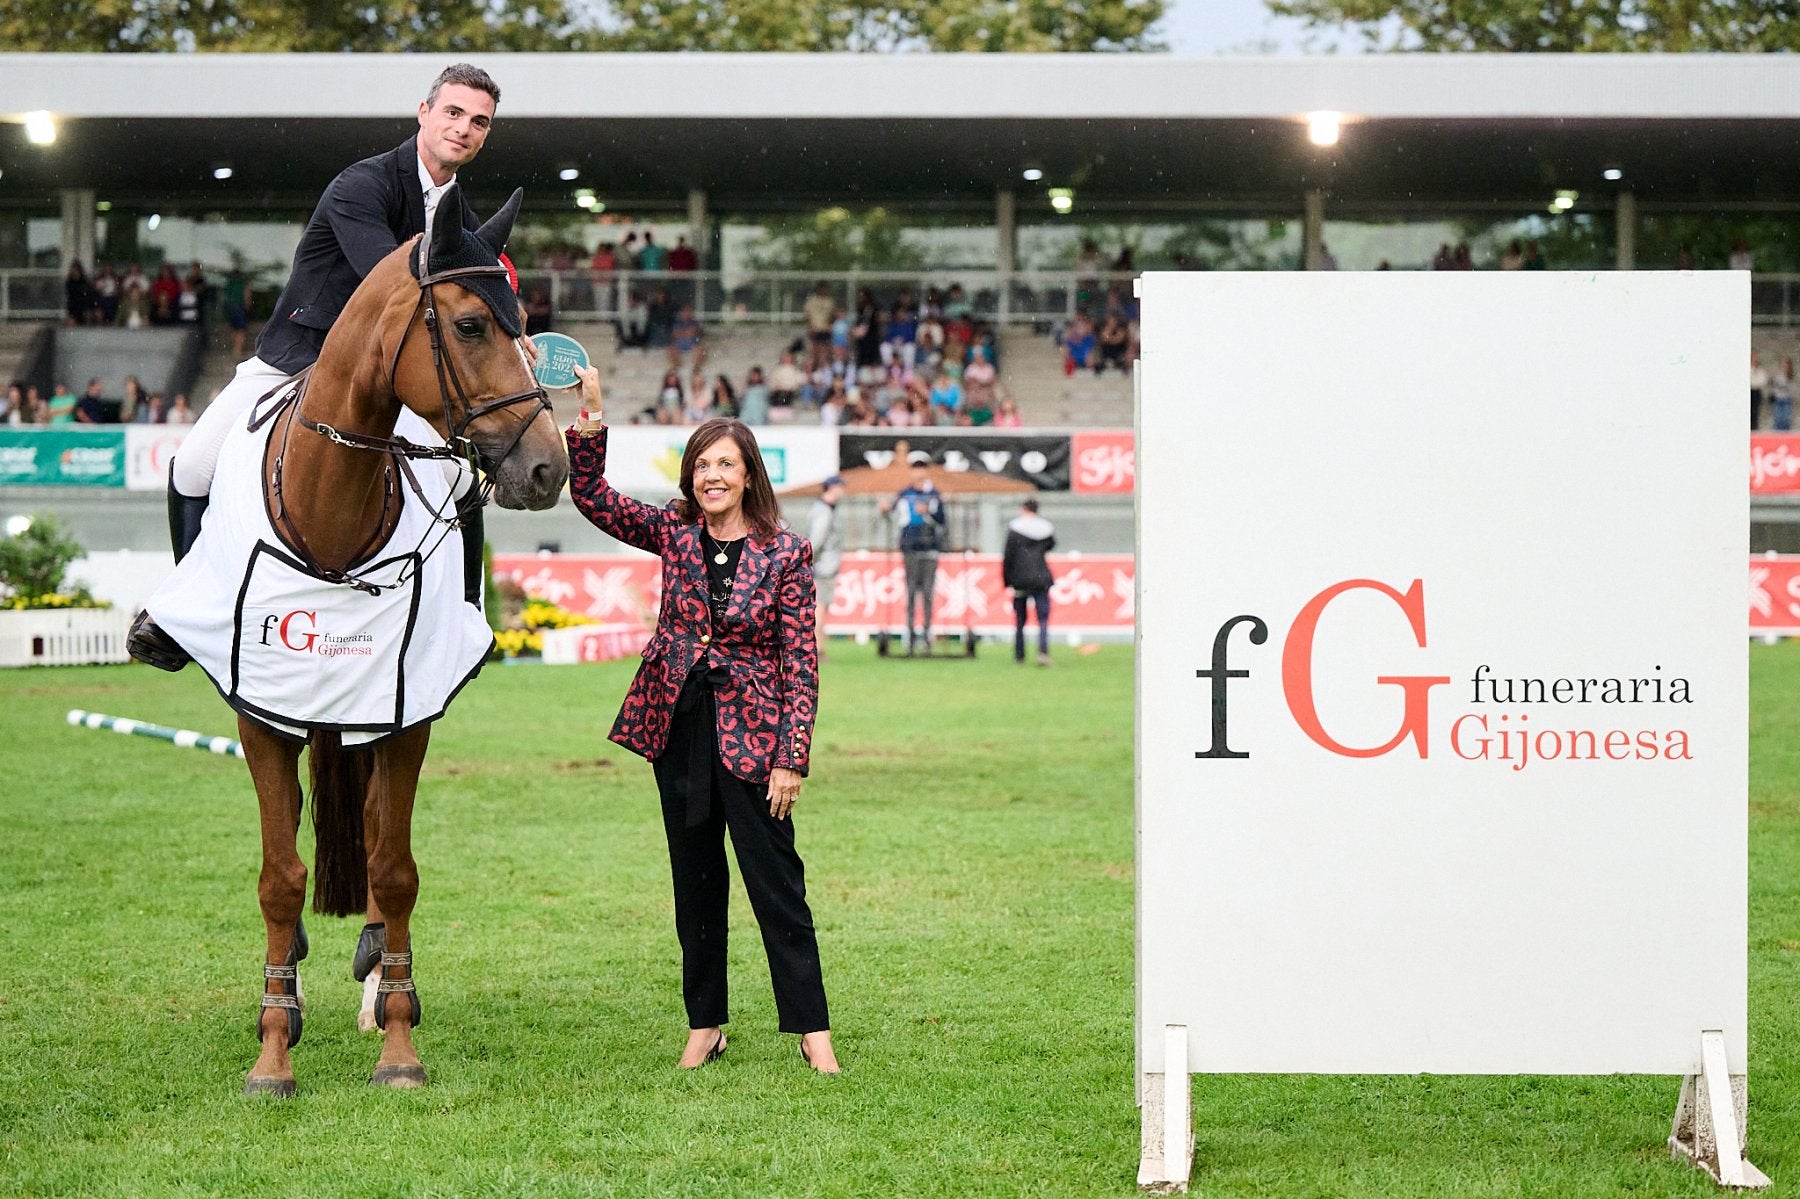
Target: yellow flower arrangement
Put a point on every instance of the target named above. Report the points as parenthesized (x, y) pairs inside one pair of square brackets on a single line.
[(527, 639)]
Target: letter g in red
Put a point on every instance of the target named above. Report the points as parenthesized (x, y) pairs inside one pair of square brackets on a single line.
[(1297, 670), (306, 645)]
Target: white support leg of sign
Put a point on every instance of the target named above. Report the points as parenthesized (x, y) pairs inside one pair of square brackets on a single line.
[(1711, 1120), (1166, 1149)]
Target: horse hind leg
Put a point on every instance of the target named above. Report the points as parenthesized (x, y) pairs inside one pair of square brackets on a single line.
[(281, 891), (394, 887)]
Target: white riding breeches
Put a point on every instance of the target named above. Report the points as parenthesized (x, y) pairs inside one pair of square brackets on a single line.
[(198, 457)]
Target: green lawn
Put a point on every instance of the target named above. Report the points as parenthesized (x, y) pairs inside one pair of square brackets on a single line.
[(968, 832)]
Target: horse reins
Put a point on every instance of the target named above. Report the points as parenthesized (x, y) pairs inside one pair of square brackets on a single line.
[(459, 448)]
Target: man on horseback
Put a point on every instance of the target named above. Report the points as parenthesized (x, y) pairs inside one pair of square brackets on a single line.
[(367, 211)]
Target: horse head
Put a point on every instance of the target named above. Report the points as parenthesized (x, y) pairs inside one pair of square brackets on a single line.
[(465, 372)]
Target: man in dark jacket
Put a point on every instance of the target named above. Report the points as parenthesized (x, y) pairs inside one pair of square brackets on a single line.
[(367, 211), (1024, 570)]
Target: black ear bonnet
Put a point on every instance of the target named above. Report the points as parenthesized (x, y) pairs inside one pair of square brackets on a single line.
[(451, 247)]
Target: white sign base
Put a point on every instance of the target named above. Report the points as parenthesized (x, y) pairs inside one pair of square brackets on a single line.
[(1711, 1120), (1166, 1149)]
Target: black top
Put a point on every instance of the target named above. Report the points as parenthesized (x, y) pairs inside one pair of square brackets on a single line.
[(719, 575)]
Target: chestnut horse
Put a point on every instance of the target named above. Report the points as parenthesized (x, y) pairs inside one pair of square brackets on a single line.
[(427, 331)]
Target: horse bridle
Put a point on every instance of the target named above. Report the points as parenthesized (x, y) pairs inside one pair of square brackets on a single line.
[(458, 446)]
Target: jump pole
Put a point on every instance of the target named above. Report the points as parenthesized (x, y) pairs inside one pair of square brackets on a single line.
[(186, 738)]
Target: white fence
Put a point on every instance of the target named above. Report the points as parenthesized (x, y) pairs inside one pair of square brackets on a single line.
[(64, 637)]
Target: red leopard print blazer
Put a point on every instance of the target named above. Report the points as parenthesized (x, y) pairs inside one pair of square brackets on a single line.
[(766, 641)]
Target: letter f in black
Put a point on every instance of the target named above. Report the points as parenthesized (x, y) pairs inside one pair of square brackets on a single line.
[(1220, 676)]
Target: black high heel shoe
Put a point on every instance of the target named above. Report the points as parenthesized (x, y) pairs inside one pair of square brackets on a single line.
[(807, 1058), (717, 1051)]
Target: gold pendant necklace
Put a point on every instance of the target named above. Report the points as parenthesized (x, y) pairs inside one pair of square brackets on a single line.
[(721, 557)]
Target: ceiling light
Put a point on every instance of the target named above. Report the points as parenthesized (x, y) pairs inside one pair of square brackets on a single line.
[(1062, 199), (584, 201), (40, 128), (153, 222), (1032, 174), (1613, 174), (103, 206), (1323, 127), (1564, 201), (221, 173), (568, 174)]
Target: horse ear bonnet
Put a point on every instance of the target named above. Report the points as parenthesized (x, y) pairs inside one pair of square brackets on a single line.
[(452, 246)]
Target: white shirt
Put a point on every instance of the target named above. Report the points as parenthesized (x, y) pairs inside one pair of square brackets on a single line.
[(433, 193)]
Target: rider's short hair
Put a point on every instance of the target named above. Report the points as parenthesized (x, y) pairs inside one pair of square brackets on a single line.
[(464, 75)]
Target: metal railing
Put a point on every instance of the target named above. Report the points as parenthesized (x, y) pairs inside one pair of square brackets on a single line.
[(778, 297)]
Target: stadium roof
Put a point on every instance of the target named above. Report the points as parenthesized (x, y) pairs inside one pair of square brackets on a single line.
[(1421, 132)]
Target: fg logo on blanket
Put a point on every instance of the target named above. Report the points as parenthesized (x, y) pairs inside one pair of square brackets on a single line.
[(298, 631)]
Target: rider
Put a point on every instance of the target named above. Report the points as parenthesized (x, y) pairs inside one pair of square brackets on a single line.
[(369, 210)]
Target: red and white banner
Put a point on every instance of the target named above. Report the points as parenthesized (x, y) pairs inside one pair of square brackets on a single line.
[(1094, 593), (1103, 462), (1775, 463), (1775, 595)]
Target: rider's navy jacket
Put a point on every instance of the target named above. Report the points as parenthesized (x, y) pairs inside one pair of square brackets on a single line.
[(369, 209)]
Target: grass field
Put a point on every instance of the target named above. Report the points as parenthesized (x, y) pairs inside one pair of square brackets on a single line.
[(968, 833)]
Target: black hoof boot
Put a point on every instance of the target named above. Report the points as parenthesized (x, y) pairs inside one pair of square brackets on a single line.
[(153, 647)]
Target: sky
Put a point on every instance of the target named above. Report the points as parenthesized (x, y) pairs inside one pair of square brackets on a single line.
[(1230, 26)]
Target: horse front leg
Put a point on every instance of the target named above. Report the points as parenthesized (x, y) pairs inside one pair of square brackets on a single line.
[(365, 965), (281, 890), (394, 888)]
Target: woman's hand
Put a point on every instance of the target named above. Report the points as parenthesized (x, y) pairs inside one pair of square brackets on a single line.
[(784, 789), (588, 415)]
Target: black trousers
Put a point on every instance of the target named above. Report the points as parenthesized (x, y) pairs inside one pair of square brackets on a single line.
[(1040, 600), (700, 800)]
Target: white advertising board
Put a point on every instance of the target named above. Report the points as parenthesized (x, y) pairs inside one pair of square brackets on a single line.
[(645, 460), (1442, 714), (149, 449)]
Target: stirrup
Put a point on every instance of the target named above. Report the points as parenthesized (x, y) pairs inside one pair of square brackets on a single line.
[(147, 643), (390, 985), (291, 1003)]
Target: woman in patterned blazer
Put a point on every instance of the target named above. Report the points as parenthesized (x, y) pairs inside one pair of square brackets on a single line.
[(723, 708)]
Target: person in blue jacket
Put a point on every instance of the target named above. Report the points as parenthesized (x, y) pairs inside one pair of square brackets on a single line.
[(920, 510)]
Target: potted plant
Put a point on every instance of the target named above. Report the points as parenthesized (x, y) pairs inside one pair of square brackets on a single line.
[(43, 621)]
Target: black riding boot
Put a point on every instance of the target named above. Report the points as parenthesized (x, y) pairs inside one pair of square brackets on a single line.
[(474, 543), (146, 642)]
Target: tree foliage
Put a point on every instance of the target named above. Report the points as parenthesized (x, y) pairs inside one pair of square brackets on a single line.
[(475, 25), (33, 562), (1556, 25)]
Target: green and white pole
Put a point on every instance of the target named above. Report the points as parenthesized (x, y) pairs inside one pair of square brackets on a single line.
[(186, 738)]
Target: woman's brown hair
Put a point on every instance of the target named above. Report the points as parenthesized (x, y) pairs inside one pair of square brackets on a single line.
[(761, 510)]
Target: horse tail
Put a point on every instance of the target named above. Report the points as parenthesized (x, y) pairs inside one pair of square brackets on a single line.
[(340, 784)]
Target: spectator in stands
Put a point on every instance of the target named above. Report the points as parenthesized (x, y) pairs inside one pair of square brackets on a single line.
[(1534, 257), (90, 409), (1078, 342), (699, 407), (1781, 395), (1442, 260), (1463, 259), (834, 405), (725, 398), (668, 397), (687, 337), (920, 509), (235, 300), (1759, 384), (180, 413), (78, 295), (12, 408), (187, 305), (861, 414), (818, 311), (979, 377), (683, 257), (61, 407), (661, 317), (165, 296), (753, 409), (134, 300), (902, 334), (786, 381), (1327, 260), (1740, 258), (634, 322), (196, 281), (956, 304), (1008, 415), (946, 392), (37, 409), (1126, 262), (1684, 258), (628, 253), (157, 409), (652, 257), (106, 295), (1025, 571), (930, 339), (1087, 273), (602, 267), (132, 409), (1115, 342), (867, 330), (1513, 259), (539, 314)]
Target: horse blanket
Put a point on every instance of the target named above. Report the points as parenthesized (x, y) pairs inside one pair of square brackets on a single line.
[(295, 652)]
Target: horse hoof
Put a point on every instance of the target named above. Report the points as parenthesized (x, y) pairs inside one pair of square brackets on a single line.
[(274, 1088), (405, 1077)]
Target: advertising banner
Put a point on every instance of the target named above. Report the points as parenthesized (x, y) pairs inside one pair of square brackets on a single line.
[(1039, 459), (149, 449), (1094, 593), (62, 457), (1442, 732), (645, 460), (1105, 462), (1775, 464)]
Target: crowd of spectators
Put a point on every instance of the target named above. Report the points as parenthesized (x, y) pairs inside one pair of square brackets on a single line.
[(929, 362), (24, 404), (134, 300)]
